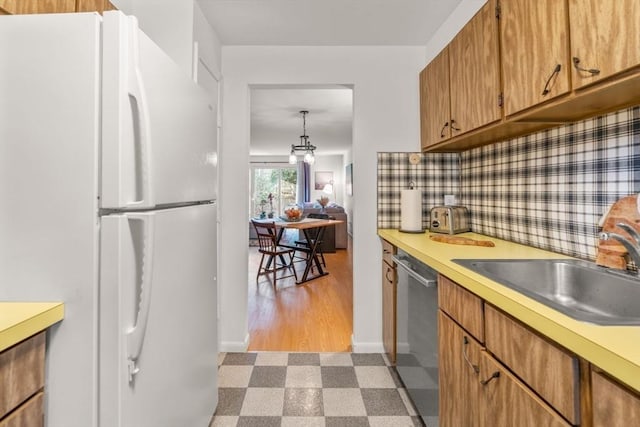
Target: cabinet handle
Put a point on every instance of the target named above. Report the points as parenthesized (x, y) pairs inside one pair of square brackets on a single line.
[(496, 374), (386, 275), (591, 71), (443, 128), (452, 126), (546, 89), (465, 342)]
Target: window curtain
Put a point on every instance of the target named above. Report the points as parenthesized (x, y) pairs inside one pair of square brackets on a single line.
[(303, 190)]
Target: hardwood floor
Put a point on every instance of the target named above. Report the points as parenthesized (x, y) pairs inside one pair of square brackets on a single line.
[(316, 316)]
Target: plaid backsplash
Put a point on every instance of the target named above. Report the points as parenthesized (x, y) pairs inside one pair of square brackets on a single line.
[(547, 190), (437, 174)]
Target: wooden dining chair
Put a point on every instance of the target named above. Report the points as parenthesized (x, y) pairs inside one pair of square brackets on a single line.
[(274, 257)]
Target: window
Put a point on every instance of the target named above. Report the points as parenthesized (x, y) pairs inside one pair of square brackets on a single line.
[(277, 181)]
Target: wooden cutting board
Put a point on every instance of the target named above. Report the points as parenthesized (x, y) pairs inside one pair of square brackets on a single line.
[(459, 240), (611, 253)]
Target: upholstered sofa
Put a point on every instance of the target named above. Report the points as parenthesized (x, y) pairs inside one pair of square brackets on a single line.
[(337, 212)]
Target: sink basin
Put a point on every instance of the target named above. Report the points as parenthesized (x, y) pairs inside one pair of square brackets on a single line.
[(579, 289)]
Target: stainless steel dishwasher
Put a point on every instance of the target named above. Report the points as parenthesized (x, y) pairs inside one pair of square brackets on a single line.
[(417, 334)]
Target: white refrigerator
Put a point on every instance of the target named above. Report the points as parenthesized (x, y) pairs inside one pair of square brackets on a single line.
[(108, 193)]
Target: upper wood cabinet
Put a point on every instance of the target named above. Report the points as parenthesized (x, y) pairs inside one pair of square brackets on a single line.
[(434, 101), (535, 42), (20, 7), (604, 38), (460, 88), (94, 6), (474, 73)]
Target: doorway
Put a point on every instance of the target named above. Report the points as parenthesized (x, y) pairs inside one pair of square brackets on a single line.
[(317, 315)]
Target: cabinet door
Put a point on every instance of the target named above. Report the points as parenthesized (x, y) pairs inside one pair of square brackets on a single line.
[(94, 6), (434, 101), (463, 306), (522, 350), (56, 6), (474, 72), (29, 414), (534, 39), (604, 37), (505, 401), (389, 311), (19, 7), (459, 356), (613, 405), (22, 372)]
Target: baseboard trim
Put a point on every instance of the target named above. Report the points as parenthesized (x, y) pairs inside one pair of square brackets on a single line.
[(366, 347), (235, 346)]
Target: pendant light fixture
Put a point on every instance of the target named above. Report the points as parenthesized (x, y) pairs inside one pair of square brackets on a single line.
[(305, 146)]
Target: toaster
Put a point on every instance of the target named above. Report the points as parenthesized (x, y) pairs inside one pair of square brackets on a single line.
[(449, 219)]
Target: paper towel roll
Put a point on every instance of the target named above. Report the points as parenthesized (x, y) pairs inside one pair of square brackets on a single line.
[(411, 210)]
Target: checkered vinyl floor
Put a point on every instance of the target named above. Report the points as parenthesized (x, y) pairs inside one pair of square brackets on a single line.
[(311, 389)]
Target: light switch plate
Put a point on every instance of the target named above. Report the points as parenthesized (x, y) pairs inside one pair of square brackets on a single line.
[(449, 200)]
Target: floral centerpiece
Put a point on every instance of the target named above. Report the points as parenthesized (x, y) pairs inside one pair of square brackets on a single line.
[(324, 201)]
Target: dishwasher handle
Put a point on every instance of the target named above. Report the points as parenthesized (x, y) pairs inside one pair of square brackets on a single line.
[(406, 266)]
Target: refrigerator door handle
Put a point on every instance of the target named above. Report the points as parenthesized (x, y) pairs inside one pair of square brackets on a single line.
[(141, 125), (135, 334)]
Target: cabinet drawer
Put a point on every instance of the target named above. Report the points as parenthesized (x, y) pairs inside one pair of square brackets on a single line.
[(506, 401), (548, 369), (388, 251), (21, 372), (463, 306), (613, 405), (30, 414)]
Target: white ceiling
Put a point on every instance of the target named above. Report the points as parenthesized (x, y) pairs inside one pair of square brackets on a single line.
[(275, 119), (326, 22), (276, 122)]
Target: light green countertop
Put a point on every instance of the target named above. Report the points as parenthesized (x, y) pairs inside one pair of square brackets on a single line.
[(20, 320), (614, 349)]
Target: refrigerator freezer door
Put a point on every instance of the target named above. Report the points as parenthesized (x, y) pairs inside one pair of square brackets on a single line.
[(158, 126), (158, 334)]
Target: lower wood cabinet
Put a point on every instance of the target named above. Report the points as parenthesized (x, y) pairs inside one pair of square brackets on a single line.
[(459, 356), (30, 414), (507, 401), (613, 404), (22, 383), (549, 370), (516, 378), (389, 301)]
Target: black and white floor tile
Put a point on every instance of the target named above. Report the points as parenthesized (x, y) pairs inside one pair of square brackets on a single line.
[(311, 389)]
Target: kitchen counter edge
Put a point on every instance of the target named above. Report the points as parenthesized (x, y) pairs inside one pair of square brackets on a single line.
[(20, 320)]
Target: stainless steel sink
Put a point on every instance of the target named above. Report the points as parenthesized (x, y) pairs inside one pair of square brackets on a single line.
[(579, 289)]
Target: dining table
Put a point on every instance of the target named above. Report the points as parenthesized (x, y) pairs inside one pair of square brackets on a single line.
[(313, 241)]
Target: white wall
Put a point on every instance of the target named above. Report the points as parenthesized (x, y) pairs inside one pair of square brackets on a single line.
[(174, 26), (169, 23), (386, 118), (329, 163), (451, 26)]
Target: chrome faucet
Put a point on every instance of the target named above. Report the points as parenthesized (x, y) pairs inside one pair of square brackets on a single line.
[(632, 247)]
